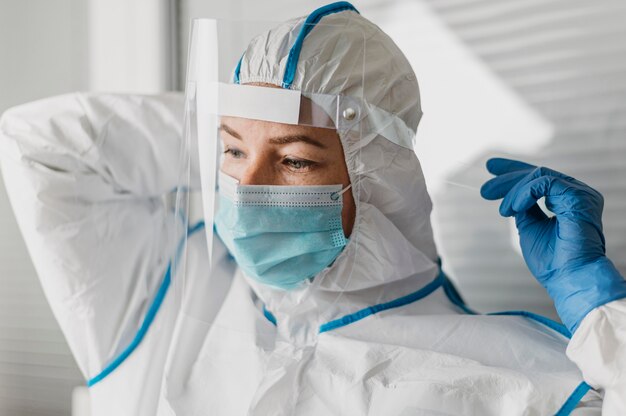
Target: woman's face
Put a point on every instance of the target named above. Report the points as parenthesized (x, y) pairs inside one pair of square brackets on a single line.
[(265, 153)]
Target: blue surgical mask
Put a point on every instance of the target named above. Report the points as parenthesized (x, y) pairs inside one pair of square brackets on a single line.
[(280, 235)]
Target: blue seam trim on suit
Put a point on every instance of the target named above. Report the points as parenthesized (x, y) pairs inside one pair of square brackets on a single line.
[(372, 310), (576, 396), (573, 400), (294, 54), (561, 329), (140, 334), (311, 20), (194, 228), (455, 298), (269, 315), (237, 70), (453, 295), (450, 293), (149, 318)]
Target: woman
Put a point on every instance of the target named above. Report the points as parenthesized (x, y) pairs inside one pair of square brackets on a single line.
[(326, 296)]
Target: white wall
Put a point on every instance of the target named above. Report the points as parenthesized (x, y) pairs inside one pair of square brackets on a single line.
[(43, 51), (131, 45)]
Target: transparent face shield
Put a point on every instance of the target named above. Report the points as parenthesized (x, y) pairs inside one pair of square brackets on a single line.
[(264, 182), (231, 124)]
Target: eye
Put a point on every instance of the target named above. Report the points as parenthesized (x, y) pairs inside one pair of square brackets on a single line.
[(234, 153), (298, 164)]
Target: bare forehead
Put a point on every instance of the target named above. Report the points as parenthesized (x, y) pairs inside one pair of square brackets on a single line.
[(241, 125), (264, 133)]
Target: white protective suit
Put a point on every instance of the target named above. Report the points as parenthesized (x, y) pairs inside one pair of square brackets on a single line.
[(86, 175)]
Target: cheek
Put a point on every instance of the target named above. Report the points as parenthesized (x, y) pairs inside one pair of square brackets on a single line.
[(348, 213), (335, 171), (232, 167)]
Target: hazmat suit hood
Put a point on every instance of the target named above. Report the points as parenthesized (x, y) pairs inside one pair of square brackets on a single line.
[(391, 250)]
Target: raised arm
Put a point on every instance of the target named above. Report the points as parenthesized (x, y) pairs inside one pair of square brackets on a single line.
[(566, 253), (86, 175)]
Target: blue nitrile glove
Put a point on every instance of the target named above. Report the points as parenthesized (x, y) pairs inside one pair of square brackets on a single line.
[(566, 252)]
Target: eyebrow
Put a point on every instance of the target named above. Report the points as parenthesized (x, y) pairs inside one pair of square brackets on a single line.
[(296, 139), (279, 140), (230, 131)]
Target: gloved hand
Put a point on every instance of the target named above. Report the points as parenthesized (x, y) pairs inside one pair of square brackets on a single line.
[(565, 252)]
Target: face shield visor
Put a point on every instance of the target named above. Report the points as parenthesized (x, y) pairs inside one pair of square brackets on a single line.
[(269, 218), (257, 193)]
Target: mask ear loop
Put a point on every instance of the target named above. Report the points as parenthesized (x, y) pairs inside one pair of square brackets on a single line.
[(335, 196)]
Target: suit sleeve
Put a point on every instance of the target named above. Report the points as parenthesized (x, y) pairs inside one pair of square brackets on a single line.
[(87, 176), (598, 347)]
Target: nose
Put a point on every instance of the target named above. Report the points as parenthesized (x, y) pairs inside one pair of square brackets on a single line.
[(259, 171)]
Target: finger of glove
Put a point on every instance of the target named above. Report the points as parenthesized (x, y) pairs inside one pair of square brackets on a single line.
[(498, 187), (544, 171), (505, 207), (573, 182), (500, 165), (529, 190), (531, 216), (579, 203)]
